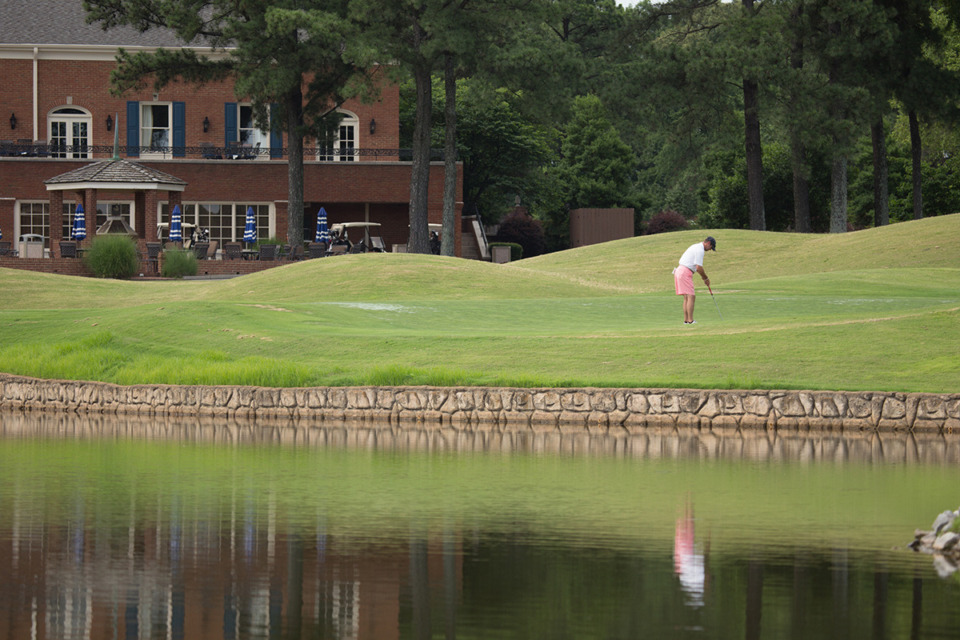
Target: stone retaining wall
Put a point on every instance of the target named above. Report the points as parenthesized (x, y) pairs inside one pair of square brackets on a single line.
[(504, 407)]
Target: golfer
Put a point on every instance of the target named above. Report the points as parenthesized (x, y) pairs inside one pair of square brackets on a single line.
[(690, 261)]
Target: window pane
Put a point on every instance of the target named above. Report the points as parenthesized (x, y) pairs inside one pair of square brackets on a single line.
[(34, 218), (155, 126)]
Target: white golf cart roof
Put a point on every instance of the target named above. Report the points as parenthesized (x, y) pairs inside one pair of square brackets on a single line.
[(340, 226)]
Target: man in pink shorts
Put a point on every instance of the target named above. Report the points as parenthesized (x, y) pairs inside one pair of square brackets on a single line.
[(690, 261)]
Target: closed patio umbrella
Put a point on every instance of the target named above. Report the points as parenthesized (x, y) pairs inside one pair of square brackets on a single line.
[(176, 225), (323, 234), (79, 229), (250, 230)]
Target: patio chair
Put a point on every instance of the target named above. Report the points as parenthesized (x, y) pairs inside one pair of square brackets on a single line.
[(68, 249), (338, 250), (25, 147), (6, 248), (153, 255), (41, 148), (249, 153), (317, 249), (212, 250), (376, 244), (7, 148), (200, 250), (267, 252), (210, 152), (232, 250), (295, 253)]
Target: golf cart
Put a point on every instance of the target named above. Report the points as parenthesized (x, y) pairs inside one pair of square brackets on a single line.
[(163, 232), (340, 236)]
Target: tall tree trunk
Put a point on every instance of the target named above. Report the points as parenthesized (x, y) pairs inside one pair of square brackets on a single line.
[(798, 149), (838, 195), (419, 241), (751, 118), (881, 196), (294, 108), (801, 186), (448, 241), (916, 152)]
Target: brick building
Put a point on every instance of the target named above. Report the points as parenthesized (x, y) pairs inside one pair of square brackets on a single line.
[(57, 115)]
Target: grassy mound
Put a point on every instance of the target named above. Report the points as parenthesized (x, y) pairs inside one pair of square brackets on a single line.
[(877, 309)]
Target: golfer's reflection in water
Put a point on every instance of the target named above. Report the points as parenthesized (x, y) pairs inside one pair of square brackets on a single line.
[(688, 562)]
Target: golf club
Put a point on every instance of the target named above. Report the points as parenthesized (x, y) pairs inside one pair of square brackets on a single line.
[(715, 302)]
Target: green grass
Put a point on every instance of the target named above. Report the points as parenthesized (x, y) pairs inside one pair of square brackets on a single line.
[(872, 310)]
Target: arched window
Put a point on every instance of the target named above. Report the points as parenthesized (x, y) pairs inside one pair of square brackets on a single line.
[(69, 129), (338, 143)]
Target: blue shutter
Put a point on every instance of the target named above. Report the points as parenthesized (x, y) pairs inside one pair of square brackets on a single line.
[(276, 135), (179, 129), (229, 123), (133, 129)]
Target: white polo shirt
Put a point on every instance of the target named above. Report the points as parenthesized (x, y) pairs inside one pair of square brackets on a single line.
[(693, 257)]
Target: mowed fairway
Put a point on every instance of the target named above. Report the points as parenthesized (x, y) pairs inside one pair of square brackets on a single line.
[(871, 310)]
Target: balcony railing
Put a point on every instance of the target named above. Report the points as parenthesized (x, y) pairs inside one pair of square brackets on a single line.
[(40, 149)]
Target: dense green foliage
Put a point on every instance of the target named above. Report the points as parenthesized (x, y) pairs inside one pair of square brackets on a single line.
[(178, 263), (671, 76), (876, 309), (112, 256)]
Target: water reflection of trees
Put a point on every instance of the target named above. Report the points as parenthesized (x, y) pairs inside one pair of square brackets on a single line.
[(653, 443)]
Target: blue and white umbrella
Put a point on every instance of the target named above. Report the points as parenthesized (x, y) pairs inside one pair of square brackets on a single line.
[(1, 234), (79, 229), (323, 234), (176, 225), (250, 230)]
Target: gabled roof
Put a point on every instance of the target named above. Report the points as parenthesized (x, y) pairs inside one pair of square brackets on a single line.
[(116, 173), (64, 22)]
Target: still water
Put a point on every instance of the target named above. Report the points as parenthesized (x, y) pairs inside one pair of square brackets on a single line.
[(139, 528)]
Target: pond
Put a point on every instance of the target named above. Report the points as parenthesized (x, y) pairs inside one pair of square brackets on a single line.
[(178, 528)]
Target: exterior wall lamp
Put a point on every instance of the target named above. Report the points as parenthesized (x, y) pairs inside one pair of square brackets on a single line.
[(206, 124), (109, 123), (13, 121), (373, 126)]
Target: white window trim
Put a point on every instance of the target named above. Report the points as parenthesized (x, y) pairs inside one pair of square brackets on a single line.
[(261, 136), (70, 118), (237, 214), (349, 119), (145, 151)]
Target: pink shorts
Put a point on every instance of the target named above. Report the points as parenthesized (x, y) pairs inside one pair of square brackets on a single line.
[(683, 279)]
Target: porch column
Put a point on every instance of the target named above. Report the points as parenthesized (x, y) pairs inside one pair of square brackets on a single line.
[(56, 221), (150, 201), (140, 220), (90, 213)]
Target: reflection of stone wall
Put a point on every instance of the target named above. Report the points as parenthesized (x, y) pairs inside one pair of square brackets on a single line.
[(756, 445), (503, 407)]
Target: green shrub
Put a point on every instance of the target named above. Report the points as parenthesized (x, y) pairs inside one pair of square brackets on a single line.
[(113, 256), (178, 263), (516, 251)]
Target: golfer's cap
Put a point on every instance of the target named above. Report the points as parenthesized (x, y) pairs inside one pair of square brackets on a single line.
[(713, 243)]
